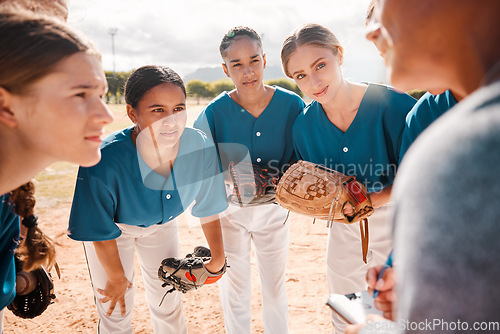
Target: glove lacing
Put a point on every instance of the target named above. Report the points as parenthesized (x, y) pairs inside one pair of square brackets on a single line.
[(364, 232), (172, 277)]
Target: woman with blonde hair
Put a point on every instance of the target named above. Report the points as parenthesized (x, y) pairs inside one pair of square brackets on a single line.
[(356, 129)]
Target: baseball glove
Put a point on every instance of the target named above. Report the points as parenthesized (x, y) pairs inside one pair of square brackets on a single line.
[(252, 184), (189, 273), (38, 293), (322, 193)]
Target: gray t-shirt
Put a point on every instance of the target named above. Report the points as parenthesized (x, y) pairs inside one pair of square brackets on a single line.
[(447, 221)]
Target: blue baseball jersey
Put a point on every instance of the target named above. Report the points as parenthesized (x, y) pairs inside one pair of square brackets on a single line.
[(369, 148), (266, 140), (428, 108), (122, 188), (9, 236)]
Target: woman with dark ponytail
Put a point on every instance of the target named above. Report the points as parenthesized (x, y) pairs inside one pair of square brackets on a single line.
[(127, 204)]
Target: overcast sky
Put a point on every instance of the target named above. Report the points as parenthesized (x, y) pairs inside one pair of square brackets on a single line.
[(185, 34)]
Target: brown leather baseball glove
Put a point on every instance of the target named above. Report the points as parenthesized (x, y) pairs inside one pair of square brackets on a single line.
[(252, 184), (36, 301), (322, 193), (189, 273)]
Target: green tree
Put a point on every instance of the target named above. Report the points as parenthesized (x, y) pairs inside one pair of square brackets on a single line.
[(416, 93), (113, 86), (198, 89), (285, 83), (221, 85), (116, 85)]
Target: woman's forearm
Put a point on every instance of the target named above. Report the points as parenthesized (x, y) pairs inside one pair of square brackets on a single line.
[(382, 197), (213, 234), (107, 253)]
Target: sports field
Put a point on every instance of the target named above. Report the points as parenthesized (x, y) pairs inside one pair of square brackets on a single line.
[(74, 311)]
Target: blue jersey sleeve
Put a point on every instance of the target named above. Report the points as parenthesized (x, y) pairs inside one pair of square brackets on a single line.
[(301, 105), (205, 123), (211, 198), (394, 123), (296, 132), (92, 210), (426, 111), (296, 149), (9, 235)]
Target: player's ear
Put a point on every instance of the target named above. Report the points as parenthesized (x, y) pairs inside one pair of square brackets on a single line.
[(132, 114), (7, 117), (340, 55), (264, 59), (224, 67)]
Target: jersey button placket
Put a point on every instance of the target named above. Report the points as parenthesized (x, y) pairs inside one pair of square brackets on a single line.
[(257, 134), (165, 203), (344, 152)]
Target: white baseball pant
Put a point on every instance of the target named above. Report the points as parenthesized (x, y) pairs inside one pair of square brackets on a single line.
[(264, 226), (346, 271), (152, 244)]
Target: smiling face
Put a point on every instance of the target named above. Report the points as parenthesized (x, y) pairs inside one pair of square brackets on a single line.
[(244, 63), (316, 70), (62, 115), (160, 115)]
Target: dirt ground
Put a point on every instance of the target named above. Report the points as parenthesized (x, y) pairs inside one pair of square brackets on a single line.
[(74, 310)]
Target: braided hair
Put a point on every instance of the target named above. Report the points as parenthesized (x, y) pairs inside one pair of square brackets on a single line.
[(35, 248)]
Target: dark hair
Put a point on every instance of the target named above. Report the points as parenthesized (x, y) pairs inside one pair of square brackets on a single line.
[(35, 248), (369, 11), (309, 34), (147, 77), (31, 45), (235, 33)]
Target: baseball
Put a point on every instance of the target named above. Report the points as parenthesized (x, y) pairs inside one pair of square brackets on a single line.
[(25, 282)]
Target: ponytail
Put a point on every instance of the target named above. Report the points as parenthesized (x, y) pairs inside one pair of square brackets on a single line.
[(35, 248)]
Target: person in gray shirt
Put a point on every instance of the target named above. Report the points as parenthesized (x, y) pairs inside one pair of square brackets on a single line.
[(446, 223)]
